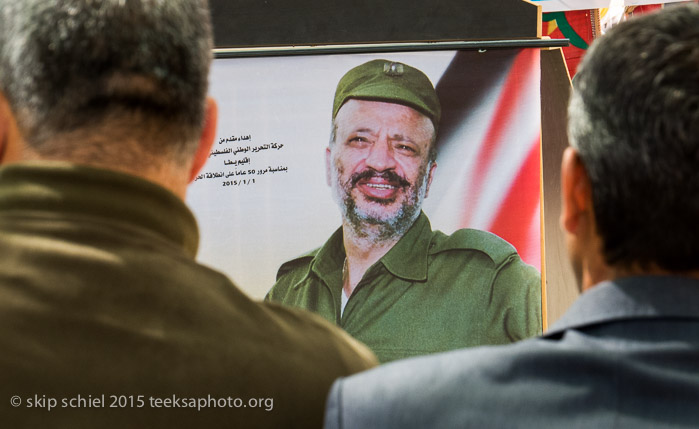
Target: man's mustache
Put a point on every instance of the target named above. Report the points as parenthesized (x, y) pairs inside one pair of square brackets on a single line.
[(388, 175)]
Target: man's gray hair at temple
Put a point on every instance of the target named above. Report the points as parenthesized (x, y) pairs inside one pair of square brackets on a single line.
[(114, 63), (634, 120)]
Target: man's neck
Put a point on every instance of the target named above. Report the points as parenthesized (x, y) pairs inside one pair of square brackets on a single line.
[(165, 174), (604, 272), (362, 251)]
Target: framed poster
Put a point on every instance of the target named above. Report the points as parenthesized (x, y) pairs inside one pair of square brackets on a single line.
[(262, 198)]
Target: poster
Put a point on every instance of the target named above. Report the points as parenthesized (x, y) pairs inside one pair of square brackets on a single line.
[(262, 197)]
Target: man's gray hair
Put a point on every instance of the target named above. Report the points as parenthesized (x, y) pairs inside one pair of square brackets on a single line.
[(74, 65), (634, 119)]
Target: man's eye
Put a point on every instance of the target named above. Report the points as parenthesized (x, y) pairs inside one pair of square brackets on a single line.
[(358, 140), (405, 148)]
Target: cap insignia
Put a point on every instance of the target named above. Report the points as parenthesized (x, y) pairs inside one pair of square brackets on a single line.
[(393, 69)]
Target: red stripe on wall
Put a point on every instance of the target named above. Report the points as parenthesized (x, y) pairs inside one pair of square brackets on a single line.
[(509, 101), (514, 220)]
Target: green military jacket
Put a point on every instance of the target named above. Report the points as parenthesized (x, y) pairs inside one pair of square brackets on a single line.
[(100, 296), (430, 292)]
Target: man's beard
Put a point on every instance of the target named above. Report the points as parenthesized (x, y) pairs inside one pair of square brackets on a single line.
[(375, 223)]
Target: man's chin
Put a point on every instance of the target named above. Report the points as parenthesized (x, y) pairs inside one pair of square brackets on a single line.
[(379, 222), (380, 201), (365, 218), (380, 211)]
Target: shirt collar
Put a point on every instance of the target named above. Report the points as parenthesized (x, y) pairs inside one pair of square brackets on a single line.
[(330, 258), (65, 188), (407, 259), (632, 298)]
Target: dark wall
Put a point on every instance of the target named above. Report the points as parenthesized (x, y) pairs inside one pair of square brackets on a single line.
[(239, 23)]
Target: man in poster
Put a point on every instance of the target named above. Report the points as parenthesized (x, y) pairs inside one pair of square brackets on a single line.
[(624, 355), (385, 276)]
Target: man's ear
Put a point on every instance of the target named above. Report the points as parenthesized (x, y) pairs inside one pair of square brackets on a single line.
[(430, 176), (328, 165), (4, 126), (11, 144), (206, 140), (576, 193), (3, 136)]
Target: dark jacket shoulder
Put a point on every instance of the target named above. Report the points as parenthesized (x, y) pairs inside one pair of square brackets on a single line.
[(341, 354)]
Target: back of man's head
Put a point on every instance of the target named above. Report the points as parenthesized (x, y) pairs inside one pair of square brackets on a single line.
[(82, 75), (634, 119)]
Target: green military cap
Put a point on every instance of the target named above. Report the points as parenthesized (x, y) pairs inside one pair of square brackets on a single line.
[(392, 82)]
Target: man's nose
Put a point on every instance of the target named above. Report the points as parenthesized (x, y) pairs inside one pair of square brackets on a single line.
[(380, 156)]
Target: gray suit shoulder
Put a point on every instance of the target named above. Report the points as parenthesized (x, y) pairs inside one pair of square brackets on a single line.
[(497, 249), (385, 398)]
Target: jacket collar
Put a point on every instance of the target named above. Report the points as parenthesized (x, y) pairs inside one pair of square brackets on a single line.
[(407, 259), (632, 298), (58, 188)]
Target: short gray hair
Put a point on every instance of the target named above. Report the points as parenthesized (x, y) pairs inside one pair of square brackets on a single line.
[(69, 66), (634, 119)]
